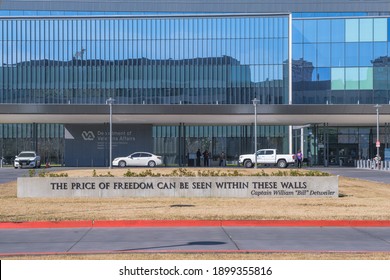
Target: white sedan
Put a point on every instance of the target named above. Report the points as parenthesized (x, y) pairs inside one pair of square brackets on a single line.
[(138, 159)]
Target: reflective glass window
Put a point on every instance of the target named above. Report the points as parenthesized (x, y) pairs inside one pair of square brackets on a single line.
[(366, 54), (381, 78), (297, 31), (380, 29), (352, 78), (351, 54), (297, 51), (380, 50), (338, 78), (351, 30), (310, 31), (323, 31), (285, 48), (366, 30), (323, 54), (323, 74), (338, 30), (338, 54), (310, 53), (266, 22), (365, 78)]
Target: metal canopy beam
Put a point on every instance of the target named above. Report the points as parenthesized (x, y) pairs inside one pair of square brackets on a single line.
[(341, 115)]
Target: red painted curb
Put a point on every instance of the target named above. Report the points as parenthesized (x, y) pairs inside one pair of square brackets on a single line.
[(197, 223), (310, 223)]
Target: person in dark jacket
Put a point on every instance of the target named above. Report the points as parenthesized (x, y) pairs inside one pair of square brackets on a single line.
[(206, 158), (222, 159), (198, 155)]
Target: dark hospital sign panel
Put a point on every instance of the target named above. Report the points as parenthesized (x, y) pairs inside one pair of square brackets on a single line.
[(88, 145)]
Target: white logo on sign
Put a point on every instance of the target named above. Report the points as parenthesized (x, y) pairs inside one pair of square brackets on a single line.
[(88, 135)]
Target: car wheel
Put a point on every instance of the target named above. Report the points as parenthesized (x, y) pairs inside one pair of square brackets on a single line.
[(282, 163), (122, 163), (151, 163), (248, 163)]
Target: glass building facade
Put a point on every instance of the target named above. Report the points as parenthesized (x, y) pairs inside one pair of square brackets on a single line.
[(152, 60), (70, 57), (341, 60), (213, 59)]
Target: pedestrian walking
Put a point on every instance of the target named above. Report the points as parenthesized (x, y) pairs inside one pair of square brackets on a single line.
[(299, 158), (206, 158), (222, 159)]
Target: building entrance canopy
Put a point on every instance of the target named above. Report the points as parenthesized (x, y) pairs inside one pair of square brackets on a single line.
[(340, 115)]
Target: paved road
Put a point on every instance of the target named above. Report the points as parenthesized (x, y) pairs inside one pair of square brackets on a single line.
[(8, 174), (380, 176), (195, 239)]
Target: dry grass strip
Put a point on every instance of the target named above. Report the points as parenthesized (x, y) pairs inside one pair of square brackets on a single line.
[(359, 200)]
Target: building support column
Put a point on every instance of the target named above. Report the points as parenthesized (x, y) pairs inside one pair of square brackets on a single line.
[(386, 144), (302, 144), (184, 152), (179, 144), (35, 136), (326, 145), (182, 145), (315, 145), (290, 139)]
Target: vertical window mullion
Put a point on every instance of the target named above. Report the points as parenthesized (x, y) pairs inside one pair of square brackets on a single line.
[(136, 64), (11, 45), (99, 65), (103, 82), (30, 83), (17, 65), (60, 62), (38, 50), (130, 75), (7, 55), (126, 59), (42, 60), (81, 72), (2, 88)]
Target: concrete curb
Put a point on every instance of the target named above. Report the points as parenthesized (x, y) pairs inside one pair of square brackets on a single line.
[(195, 223)]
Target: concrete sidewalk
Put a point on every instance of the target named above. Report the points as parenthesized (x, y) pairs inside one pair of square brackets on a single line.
[(234, 236)]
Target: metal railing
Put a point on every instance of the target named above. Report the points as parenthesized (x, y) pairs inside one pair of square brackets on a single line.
[(372, 164)]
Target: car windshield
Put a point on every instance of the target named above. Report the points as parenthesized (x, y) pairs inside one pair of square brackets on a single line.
[(26, 155)]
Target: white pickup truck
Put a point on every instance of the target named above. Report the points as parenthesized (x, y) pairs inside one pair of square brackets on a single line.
[(27, 159), (267, 156)]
